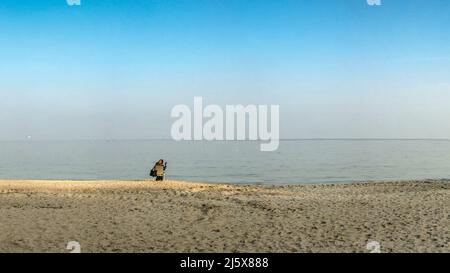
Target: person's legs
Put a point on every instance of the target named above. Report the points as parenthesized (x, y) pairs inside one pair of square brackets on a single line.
[(159, 178)]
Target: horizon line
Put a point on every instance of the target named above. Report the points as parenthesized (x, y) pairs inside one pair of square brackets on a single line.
[(281, 139)]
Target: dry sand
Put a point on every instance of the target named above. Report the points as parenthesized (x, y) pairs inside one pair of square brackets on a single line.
[(170, 216)]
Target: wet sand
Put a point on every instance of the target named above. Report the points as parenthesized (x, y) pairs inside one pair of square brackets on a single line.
[(173, 216)]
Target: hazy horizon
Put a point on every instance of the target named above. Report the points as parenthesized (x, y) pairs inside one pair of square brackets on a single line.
[(114, 69), (246, 140)]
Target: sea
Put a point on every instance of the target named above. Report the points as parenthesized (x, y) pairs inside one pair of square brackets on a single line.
[(304, 161)]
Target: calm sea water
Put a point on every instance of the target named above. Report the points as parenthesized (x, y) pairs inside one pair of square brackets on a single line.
[(303, 161)]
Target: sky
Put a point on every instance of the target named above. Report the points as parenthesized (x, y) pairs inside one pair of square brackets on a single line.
[(114, 69)]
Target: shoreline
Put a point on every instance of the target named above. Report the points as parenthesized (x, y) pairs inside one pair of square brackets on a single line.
[(238, 184), (180, 216)]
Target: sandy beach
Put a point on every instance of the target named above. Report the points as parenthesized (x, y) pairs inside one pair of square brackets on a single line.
[(173, 216)]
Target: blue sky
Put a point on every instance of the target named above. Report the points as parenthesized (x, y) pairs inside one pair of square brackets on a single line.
[(114, 69)]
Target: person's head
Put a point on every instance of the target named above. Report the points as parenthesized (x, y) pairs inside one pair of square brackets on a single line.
[(161, 161)]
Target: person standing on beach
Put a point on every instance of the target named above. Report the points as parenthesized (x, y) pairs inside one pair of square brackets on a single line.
[(159, 170)]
